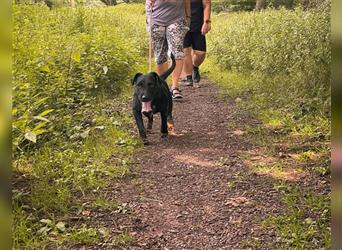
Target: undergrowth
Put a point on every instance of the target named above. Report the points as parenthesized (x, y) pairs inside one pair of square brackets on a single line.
[(277, 76), (72, 70), (300, 147), (306, 222), (279, 63), (72, 80)]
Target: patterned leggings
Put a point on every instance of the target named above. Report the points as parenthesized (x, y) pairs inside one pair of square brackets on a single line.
[(168, 38)]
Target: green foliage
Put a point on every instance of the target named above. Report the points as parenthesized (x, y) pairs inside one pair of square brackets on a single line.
[(249, 5), (65, 3), (72, 71), (305, 225), (233, 5), (284, 56), (63, 60), (84, 235), (123, 239), (134, 1), (276, 65)]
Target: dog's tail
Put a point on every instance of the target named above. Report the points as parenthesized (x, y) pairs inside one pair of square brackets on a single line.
[(169, 71)]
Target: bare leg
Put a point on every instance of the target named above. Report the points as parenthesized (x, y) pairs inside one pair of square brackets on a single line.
[(176, 74), (161, 68), (187, 62), (198, 57)]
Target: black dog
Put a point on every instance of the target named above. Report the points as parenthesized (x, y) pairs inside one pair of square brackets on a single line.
[(152, 95)]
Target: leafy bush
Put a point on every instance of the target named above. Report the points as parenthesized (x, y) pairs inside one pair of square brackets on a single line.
[(287, 54), (248, 5), (276, 65), (63, 59), (232, 5), (66, 3), (72, 70)]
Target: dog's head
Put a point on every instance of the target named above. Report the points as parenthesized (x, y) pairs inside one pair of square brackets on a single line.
[(146, 86)]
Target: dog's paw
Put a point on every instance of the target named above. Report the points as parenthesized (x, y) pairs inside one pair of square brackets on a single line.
[(170, 126), (164, 135)]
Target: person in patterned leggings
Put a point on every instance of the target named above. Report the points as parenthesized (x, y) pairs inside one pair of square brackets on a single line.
[(170, 23)]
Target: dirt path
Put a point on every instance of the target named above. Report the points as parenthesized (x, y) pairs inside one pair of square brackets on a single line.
[(193, 191)]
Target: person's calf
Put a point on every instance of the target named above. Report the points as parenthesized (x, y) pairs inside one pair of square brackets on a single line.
[(187, 62), (176, 74), (198, 57)]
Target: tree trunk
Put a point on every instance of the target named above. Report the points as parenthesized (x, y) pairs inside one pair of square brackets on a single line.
[(259, 5)]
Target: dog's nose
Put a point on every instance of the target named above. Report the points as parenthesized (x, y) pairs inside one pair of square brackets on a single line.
[(144, 98)]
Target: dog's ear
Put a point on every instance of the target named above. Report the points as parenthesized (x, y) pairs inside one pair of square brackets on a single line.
[(137, 75)]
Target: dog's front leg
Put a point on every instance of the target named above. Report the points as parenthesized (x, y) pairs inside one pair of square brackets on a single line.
[(163, 129), (150, 122), (140, 124)]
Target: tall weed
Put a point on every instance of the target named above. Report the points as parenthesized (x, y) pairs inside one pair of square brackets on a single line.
[(72, 71), (286, 54), (63, 60)]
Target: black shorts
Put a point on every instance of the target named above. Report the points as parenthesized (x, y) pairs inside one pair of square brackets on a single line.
[(195, 40)]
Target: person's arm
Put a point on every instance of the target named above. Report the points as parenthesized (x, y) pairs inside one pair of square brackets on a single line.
[(206, 27), (187, 11)]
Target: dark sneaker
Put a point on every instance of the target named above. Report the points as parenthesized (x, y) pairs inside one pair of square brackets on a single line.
[(189, 82), (196, 75)]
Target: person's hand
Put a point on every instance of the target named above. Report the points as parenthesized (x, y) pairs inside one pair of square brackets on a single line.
[(206, 27)]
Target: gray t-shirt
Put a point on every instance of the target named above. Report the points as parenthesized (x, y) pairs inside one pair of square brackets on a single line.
[(165, 12)]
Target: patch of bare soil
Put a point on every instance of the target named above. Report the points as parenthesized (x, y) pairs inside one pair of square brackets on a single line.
[(193, 191)]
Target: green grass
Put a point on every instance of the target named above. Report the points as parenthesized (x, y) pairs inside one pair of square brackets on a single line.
[(105, 203), (276, 124), (123, 239), (84, 235), (256, 57), (69, 178), (276, 170), (227, 80), (280, 131), (70, 163), (86, 64), (306, 222)]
